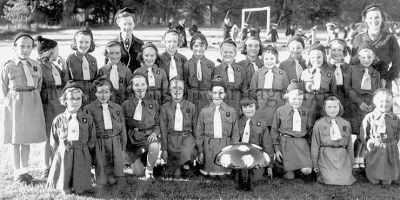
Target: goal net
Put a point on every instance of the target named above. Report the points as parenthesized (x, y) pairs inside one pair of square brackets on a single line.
[(247, 12)]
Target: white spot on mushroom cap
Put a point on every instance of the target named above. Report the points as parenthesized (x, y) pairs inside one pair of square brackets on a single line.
[(243, 148), (266, 157), (248, 160), (256, 146), (225, 160)]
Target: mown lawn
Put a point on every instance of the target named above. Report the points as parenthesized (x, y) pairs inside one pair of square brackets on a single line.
[(195, 188)]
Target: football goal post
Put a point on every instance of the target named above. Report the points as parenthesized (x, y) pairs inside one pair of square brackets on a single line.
[(250, 10)]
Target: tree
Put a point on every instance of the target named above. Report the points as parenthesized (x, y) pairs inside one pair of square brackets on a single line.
[(68, 11), (20, 12)]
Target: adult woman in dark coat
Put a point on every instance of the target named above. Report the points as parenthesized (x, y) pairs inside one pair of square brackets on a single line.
[(383, 43)]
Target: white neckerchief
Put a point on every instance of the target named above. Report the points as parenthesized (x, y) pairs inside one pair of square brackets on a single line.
[(106, 117), (138, 111), (217, 123), (246, 132), (366, 80), (114, 78), (173, 72), (150, 77), (335, 131), (28, 75), (85, 68), (178, 123), (296, 120), (231, 74), (269, 79), (73, 127)]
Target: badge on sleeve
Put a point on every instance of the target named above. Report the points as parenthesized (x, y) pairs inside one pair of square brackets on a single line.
[(151, 106), (228, 114), (344, 128), (93, 63), (280, 72), (373, 75), (329, 74), (238, 69), (121, 80), (303, 113), (35, 68), (158, 71), (118, 113), (258, 124), (84, 120), (208, 65)]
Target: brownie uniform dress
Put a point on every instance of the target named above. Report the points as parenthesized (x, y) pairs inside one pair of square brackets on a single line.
[(198, 85), (123, 91), (333, 157), (111, 139), (358, 95), (209, 143), (54, 79), (158, 91), (380, 134), (75, 64), (269, 98), (22, 112), (236, 89), (178, 140), (166, 63), (292, 144), (314, 100), (340, 76), (139, 130), (72, 160)]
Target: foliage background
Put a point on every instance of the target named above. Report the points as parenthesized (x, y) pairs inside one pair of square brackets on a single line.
[(200, 12)]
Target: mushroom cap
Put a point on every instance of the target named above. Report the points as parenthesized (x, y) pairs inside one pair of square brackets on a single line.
[(242, 156)]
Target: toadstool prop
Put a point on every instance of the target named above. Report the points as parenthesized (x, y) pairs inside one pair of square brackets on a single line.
[(243, 156)]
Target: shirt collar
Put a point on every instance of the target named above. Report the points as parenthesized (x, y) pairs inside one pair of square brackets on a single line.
[(376, 114), (223, 106), (79, 55)]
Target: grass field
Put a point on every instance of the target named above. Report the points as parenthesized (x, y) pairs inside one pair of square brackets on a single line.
[(195, 187)]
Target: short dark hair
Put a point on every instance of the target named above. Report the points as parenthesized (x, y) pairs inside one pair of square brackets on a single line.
[(113, 44), (333, 98), (247, 101), (244, 49), (84, 31), (148, 45), (102, 80), (272, 50)]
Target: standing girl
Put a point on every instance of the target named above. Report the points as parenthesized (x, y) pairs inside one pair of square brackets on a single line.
[(331, 146), (269, 84), (172, 60), (318, 81), (81, 66), (22, 112), (72, 137), (55, 76), (361, 84), (337, 52), (380, 132), (198, 73), (110, 133), (117, 72), (216, 128), (252, 48), (232, 75), (157, 78)]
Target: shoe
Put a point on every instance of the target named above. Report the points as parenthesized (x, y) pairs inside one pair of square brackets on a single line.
[(289, 175), (46, 173), (356, 166), (148, 175), (361, 165)]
